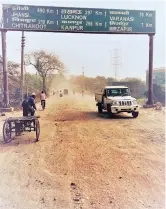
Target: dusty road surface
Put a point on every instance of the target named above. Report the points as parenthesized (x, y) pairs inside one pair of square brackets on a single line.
[(85, 161)]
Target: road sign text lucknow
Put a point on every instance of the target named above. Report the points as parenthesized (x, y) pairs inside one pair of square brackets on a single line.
[(85, 20)]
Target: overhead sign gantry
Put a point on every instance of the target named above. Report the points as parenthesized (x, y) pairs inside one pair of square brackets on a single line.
[(84, 20), (76, 20)]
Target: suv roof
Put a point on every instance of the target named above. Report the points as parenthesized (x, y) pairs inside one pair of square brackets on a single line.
[(116, 87)]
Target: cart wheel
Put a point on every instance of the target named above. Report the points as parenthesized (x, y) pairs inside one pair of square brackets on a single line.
[(7, 132), (37, 129)]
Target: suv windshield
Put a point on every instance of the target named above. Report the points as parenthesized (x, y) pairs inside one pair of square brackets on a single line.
[(118, 92)]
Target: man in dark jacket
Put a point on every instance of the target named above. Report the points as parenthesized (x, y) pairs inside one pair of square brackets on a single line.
[(29, 106)]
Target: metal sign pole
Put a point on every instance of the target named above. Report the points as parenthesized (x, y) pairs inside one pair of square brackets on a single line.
[(150, 74), (5, 70)]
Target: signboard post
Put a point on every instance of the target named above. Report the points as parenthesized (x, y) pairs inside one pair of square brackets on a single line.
[(150, 83), (5, 70)]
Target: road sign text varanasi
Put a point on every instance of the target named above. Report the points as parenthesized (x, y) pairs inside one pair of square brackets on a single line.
[(84, 20)]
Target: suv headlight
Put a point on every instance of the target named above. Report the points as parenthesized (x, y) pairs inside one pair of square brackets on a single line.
[(115, 103), (134, 102)]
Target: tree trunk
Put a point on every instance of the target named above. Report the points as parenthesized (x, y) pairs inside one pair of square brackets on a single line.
[(44, 85)]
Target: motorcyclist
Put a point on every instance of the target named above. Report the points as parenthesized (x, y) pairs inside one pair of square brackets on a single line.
[(43, 98), (29, 106)]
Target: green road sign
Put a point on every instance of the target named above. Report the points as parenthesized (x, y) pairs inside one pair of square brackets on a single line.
[(82, 20)]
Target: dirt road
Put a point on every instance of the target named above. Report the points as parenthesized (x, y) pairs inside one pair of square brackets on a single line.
[(85, 161)]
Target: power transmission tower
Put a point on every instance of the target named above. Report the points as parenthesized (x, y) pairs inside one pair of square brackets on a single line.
[(83, 82), (117, 62)]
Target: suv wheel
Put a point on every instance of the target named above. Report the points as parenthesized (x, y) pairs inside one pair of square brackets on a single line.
[(110, 114), (135, 114), (100, 110)]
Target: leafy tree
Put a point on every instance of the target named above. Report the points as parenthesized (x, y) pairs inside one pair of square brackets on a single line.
[(135, 81), (13, 75), (33, 83)]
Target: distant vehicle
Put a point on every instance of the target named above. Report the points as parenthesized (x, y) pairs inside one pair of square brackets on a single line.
[(65, 91), (61, 95), (82, 92), (116, 99)]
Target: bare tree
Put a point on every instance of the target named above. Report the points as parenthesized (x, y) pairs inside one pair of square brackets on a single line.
[(46, 64)]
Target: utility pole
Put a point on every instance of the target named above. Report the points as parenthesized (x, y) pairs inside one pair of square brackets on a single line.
[(26, 80), (22, 65), (5, 70)]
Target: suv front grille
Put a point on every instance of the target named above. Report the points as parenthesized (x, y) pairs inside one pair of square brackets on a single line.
[(125, 103)]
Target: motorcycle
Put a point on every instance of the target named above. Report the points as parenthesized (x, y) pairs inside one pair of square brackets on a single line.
[(43, 104)]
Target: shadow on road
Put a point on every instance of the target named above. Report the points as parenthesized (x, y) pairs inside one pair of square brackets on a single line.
[(15, 141), (87, 115), (74, 116), (104, 115)]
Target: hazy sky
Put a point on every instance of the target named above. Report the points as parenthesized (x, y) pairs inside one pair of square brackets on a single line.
[(93, 52)]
